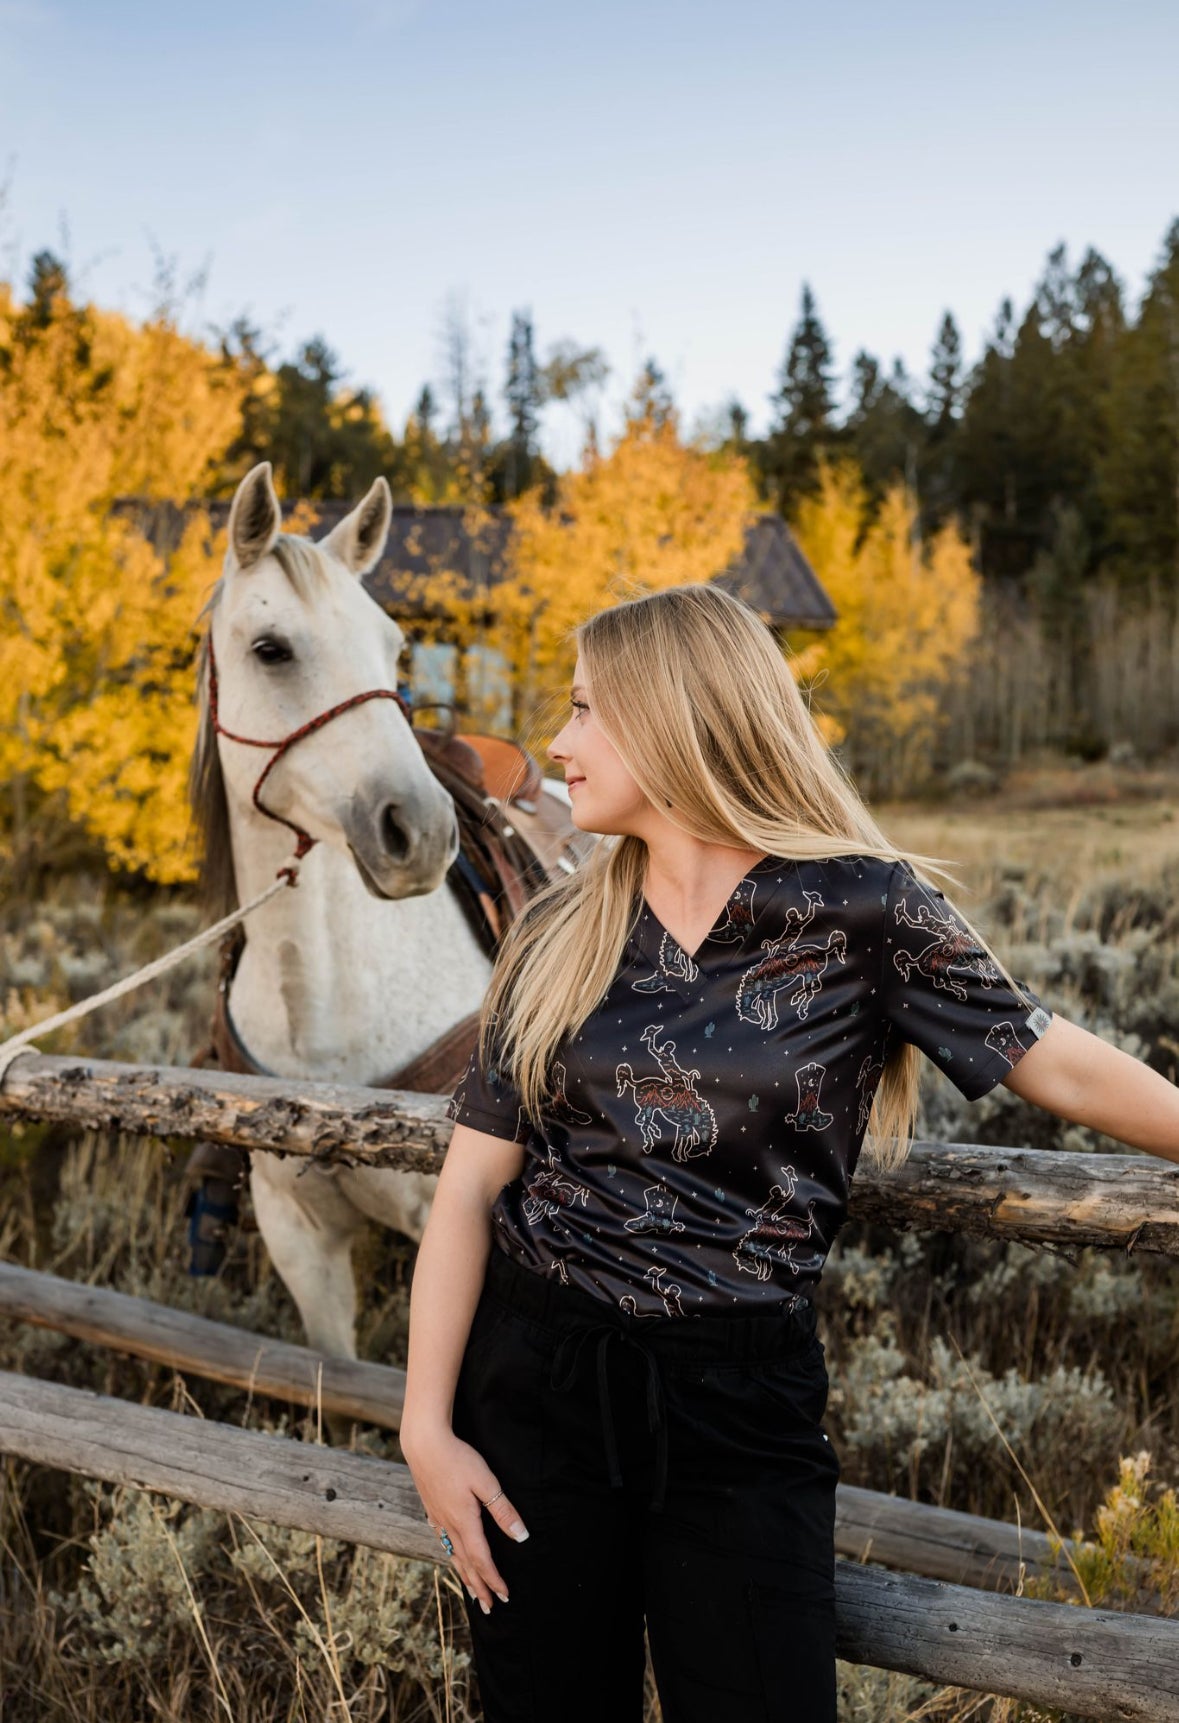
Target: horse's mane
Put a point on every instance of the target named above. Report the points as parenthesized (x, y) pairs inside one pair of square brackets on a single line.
[(304, 567)]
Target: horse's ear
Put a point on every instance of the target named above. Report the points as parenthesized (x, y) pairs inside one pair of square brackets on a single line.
[(359, 539), (255, 519)]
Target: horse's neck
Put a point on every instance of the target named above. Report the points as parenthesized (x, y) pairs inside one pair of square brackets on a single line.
[(337, 984)]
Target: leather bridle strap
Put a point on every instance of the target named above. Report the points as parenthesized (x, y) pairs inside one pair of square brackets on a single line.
[(303, 839)]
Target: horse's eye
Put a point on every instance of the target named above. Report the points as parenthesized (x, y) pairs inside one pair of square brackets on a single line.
[(271, 651)]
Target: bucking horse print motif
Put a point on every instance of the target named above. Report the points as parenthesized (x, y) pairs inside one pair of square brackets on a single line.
[(670, 1099), (799, 967), (551, 1189), (952, 949), (775, 1234)]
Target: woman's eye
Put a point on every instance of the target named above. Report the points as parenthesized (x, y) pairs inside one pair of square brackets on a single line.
[(579, 706), (271, 651)]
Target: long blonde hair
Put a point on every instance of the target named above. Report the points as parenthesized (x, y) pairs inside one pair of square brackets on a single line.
[(696, 696)]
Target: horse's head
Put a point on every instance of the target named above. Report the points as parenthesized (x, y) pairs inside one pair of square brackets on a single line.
[(294, 634)]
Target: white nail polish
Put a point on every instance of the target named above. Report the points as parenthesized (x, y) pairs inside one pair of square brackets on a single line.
[(485, 1607), (516, 1530), (502, 1595)]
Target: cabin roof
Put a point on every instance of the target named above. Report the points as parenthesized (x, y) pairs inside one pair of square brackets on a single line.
[(771, 574)]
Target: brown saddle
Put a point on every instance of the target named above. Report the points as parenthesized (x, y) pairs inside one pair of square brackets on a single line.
[(514, 838)]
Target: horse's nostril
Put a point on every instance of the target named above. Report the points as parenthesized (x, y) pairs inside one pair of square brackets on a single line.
[(394, 838)]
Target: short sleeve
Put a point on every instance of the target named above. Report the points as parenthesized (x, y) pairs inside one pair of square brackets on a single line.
[(486, 1101), (944, 993)]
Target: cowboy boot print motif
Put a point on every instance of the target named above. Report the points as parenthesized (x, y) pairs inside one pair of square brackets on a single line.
[(560, 1105), (673, 964), (809, 1114), (1003, 1039), (658, 1213), (866, 1080)]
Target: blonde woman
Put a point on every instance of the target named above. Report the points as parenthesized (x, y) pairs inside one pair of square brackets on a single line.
[(615, 1391)]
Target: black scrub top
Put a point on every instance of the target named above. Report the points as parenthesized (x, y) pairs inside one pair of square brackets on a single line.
[(697, 1152)]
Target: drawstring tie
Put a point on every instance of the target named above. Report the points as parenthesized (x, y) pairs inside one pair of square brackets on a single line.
[(564, 1370)]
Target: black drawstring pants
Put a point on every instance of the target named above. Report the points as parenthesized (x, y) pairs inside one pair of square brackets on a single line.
[(670, 1470)]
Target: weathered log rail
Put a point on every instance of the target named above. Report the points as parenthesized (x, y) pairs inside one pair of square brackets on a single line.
[(371, 1393), (1094, 1663), (1119, 1201), (940, 1543)]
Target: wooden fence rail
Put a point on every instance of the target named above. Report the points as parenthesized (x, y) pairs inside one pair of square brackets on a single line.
[(1094, 1663), (940, 1543), (371, 1393), (1120, 1201)]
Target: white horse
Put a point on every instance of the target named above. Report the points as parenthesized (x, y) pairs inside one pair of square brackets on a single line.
[(366, 962)]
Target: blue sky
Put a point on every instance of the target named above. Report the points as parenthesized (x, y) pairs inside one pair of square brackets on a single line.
[(645, 177)]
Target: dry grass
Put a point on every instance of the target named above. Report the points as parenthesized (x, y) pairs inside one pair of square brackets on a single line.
[(116, 1607)]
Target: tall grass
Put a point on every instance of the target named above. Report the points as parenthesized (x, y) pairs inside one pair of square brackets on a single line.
[(114, 1605)]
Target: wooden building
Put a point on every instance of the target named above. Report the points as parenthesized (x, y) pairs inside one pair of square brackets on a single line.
[(771, 575)]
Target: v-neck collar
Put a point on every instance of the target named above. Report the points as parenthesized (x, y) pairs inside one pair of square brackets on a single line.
[(732, 930)]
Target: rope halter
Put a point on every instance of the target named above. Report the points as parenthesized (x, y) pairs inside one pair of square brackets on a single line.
[(303, 839)]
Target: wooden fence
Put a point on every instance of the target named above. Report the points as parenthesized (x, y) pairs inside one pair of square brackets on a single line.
[(949, 1618)]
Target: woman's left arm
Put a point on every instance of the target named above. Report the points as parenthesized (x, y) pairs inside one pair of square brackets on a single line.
[(1080, 1077)]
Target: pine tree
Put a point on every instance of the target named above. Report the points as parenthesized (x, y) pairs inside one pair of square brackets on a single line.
[(884, 430), (49, 289), (650, 401), (944, 396), (803, 409), (1138, 474), (522, 393)]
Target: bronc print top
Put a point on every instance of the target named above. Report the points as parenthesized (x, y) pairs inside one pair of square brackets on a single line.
[(697, 1151)]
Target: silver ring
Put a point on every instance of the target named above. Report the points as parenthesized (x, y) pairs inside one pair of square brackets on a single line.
[(494, 1498), (444, 1538)]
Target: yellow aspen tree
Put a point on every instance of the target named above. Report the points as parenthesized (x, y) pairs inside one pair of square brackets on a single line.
[(96, 636), (908, 614), (655, 511)]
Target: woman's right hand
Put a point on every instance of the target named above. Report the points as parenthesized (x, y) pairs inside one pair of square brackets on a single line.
[(455, 1482)]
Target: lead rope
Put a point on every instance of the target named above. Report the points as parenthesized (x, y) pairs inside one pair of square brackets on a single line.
[(22, 1043), (288, 875)]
